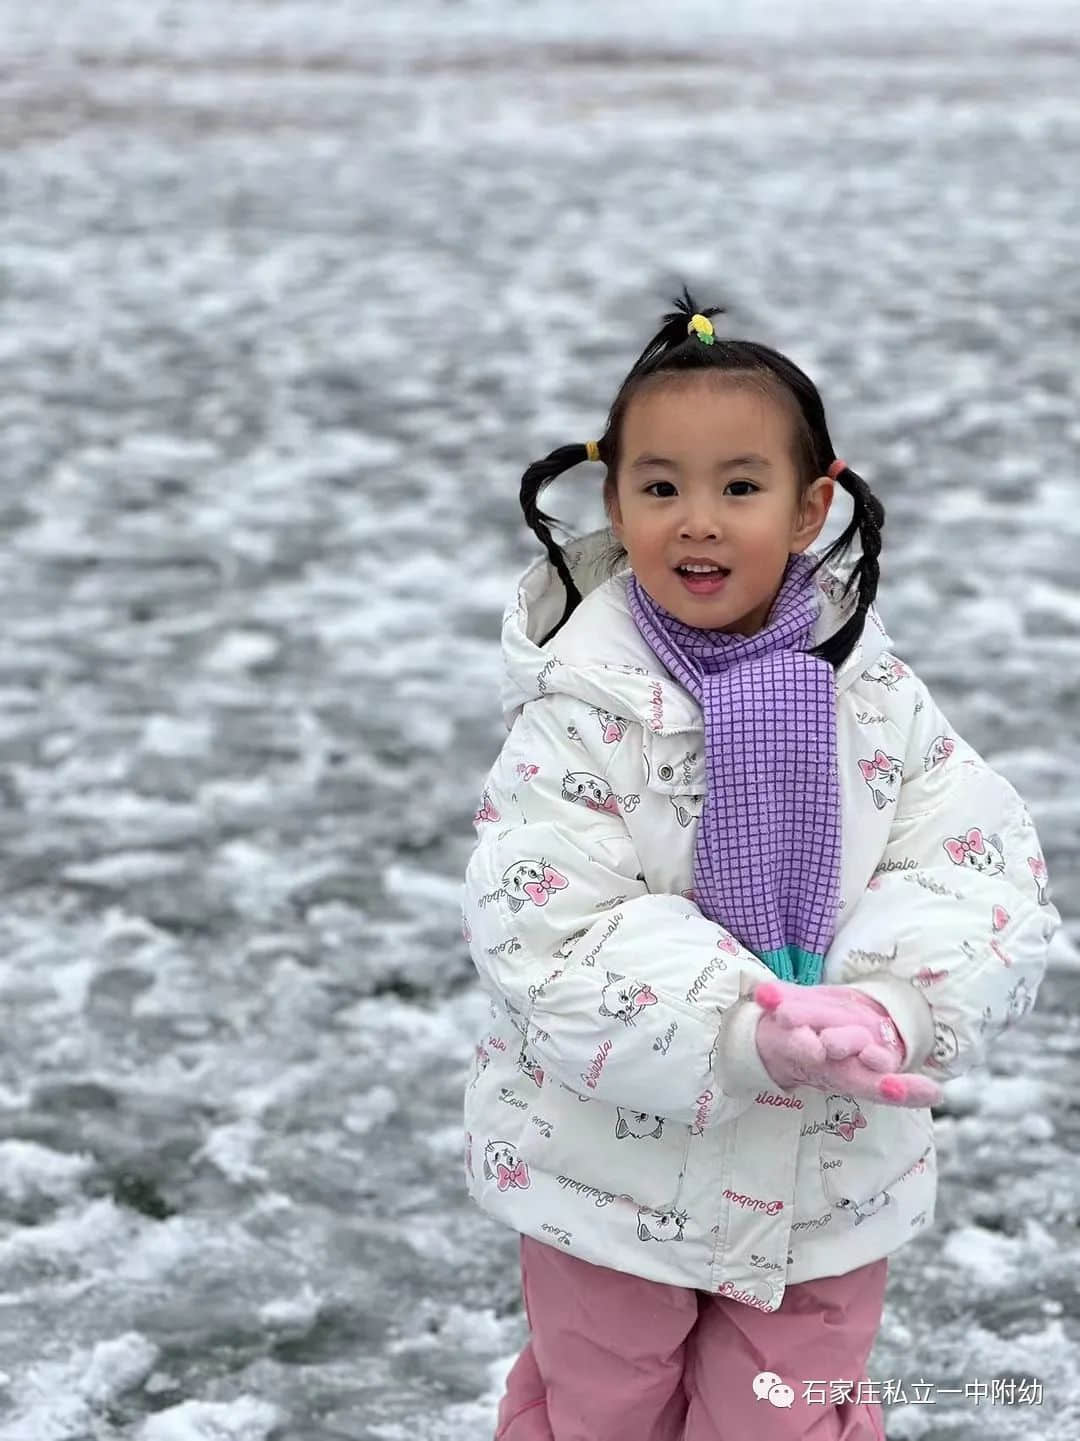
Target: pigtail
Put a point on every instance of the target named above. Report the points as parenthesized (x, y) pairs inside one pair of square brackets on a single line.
[(671, 337), (539, 474), (868, 518)]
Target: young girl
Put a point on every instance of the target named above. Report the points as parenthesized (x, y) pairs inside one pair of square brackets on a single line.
[(742, 898)]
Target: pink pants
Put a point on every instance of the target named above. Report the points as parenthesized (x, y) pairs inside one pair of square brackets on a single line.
[(613, 1357)]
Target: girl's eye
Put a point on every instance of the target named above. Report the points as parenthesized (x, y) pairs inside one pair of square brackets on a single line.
[(653, 484)]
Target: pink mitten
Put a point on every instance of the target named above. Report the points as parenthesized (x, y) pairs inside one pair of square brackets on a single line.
[(833, 1038), (840, 1015), (790, 1055)]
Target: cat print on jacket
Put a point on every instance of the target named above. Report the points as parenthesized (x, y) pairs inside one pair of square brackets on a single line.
[(833, 586), (487, 811), (687, 805), (1021, 1000), (843, 1117), (503, 1166), (568, 944), (638, 1124), (482, 1058), (940, 750), (886, 671), (981, 853), (687, 808), (612, 727), (629, 998), (1037, 867), (593, 792), (863, 1210), (946, 1046), (1018, 1001), (660, 1225), (532, 880), (883, 775), (531, 1067)]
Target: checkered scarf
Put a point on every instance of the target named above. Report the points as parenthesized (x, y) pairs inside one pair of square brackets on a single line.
[(767, 858)]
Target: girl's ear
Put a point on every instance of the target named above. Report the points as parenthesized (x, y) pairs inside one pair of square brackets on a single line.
[(813, 513)]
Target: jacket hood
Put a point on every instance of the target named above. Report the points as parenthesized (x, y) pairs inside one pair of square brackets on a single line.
[(600, 657)]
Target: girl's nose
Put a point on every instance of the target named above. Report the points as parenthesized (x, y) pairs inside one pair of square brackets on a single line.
[(697, 514), (699, 524)]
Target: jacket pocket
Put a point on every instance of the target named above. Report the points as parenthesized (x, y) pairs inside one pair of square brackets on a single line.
[(607, 1149), (863, 1152)]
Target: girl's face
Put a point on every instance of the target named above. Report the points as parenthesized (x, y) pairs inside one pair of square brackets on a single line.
[(705, 472)]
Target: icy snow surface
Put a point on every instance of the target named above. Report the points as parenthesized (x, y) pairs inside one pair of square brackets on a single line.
[(293, 291)]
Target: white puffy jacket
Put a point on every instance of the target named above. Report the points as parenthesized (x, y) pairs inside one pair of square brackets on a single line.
[(617, 1106)]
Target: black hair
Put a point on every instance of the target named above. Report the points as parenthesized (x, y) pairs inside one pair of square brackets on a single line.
[(674, 351)]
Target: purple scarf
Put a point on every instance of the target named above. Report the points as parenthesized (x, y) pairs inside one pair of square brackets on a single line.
[(767, 859)]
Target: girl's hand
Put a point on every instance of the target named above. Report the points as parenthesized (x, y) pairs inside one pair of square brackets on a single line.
[(849, 1053)]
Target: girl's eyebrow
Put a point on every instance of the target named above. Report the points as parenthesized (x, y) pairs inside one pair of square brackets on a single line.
[(644, 461)]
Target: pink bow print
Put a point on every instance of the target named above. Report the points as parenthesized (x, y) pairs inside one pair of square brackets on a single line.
[(519, 1176), (881, 763), (645, 997), (612, 732), (971, 844), (847, 1129), (611, 805), (538, 891), (487, 811)]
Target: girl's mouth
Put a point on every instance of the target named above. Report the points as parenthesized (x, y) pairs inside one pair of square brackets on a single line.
[(703, 582)]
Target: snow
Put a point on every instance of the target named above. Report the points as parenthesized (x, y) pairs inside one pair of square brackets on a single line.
[(294, 291)]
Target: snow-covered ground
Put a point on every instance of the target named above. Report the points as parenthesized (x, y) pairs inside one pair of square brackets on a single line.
[(292, 294)]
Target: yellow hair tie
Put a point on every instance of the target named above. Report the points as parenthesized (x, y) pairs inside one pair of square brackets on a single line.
[(701, 326), (592, 450)]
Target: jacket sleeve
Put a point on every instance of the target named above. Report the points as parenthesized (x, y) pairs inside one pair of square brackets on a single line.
[(620, 994), (953, 931)]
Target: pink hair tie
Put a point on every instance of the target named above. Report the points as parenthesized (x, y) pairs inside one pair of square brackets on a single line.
[(836, 467)]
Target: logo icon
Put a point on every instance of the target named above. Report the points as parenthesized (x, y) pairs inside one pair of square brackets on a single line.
[(768, 1386)]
